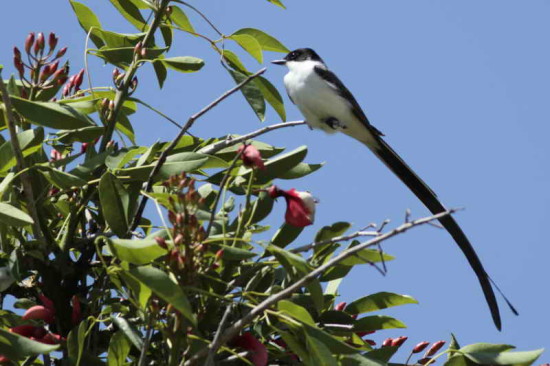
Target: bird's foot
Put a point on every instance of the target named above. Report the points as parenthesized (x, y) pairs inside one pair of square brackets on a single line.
[(335, 124)]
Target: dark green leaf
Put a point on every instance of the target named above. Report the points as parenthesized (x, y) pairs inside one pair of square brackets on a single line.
[(30, 141), (295, 311), (378, 301), (332, 231), (333, 343), (286, 235), (61, 179), (183, 63), (87, 20), (167, 35), (382, 354), (86, 134), (267, 42), (117, 40), (114, 201), (236, 254), (319, 352), (119, 347), (377, 322), (272, 96), (359, 360), (160, 71), (301, 170), (494, 354), (163, 286), (13, 216), (123, 56), (17, 347), (49, 114), (135, 251), (252, 94), (131, 13), (129, 330)]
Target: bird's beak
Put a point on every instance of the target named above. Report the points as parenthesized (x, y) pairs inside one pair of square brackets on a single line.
[(278, 62)]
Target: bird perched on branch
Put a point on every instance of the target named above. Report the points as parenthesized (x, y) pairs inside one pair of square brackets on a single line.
[(328, 105)]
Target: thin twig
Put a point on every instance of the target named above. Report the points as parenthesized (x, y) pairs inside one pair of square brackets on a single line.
[(20, 163), (218, 196), (212, 352), (357, 234), (273, 299), (202, 16), (143, 355), (173, 144), (214, 148)]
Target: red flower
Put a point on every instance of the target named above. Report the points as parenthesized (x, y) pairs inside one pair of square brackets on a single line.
[(247, 341), (387, 342), (251, 157), (300, 206), (39, 312), (51, 338), (29, 331)]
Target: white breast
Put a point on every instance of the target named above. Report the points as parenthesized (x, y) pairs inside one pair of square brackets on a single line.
[(315, 98)]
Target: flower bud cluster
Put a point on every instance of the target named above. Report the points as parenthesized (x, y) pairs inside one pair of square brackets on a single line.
[(118, 80)]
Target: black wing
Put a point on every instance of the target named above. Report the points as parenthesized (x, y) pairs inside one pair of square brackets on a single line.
[(333, 80)]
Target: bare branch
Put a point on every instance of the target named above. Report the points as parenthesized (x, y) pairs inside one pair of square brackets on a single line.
[(20, 163), (214, 148), (357, 234), (234, 329), (186, 127), (212, 352)]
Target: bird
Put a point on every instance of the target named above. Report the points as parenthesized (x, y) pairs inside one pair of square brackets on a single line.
[(328, 105)]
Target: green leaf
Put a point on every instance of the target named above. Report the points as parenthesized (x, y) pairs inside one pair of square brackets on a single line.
[(114, 201), (490, 356), (49, 114), (236, 254), (61, 179), (135, 251), (86, 134), (382, 354), (319, 352), (119, 347), (17, 347), (335, 345), (252, 94), (167, 34), (123, 56), (234, 61), (286, 235), (30, 141), (278, 3), (301, 170), (272, 96), (168, 169), (180, 19), (250, 45), (117, 40), (359, 360), (267, 42), (164, 287), (378, 301), (332, 231), (131, 13), (183, 63), (160, 71), (120, 158), (75, 342), (262, 207), (87, 20), (129, 331), (377, 322), (278, 165), (13, 216), (295, 311)]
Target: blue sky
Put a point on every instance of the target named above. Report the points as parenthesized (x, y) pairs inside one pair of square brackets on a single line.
[(460, 88)]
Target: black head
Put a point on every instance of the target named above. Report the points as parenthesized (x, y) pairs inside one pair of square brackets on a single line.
[(301, 54)]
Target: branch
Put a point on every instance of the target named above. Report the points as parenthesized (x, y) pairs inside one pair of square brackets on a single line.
[(173, 144), (20, 163), (357, 234), (122, 93), (273, 299), (214, 148)]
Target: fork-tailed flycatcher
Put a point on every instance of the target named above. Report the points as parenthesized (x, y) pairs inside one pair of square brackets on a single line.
[(328, 105)]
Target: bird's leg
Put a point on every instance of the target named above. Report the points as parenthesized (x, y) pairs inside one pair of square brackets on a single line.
[(335, 124)]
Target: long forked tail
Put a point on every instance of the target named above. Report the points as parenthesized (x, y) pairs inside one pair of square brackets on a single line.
[(392, 160)]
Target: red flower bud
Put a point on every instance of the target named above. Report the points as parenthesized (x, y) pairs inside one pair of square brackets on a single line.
[(251, 157), (219, 254), (51, 338), (387, 342), (300, 206), (76, 315), (434, 348), (397, 342), (39, 312), (424, 360), (39, 44), (370, 342), (52, 41), (84, 147), (61, 52), (55, 155), (29, 42), (18, 65), (340, 307), (178, 239), (258, 351), (16, 53), (420, 347), (46, 302), (54, 66), (79, 78), (161, 242), (25, 330), (143, 52)]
